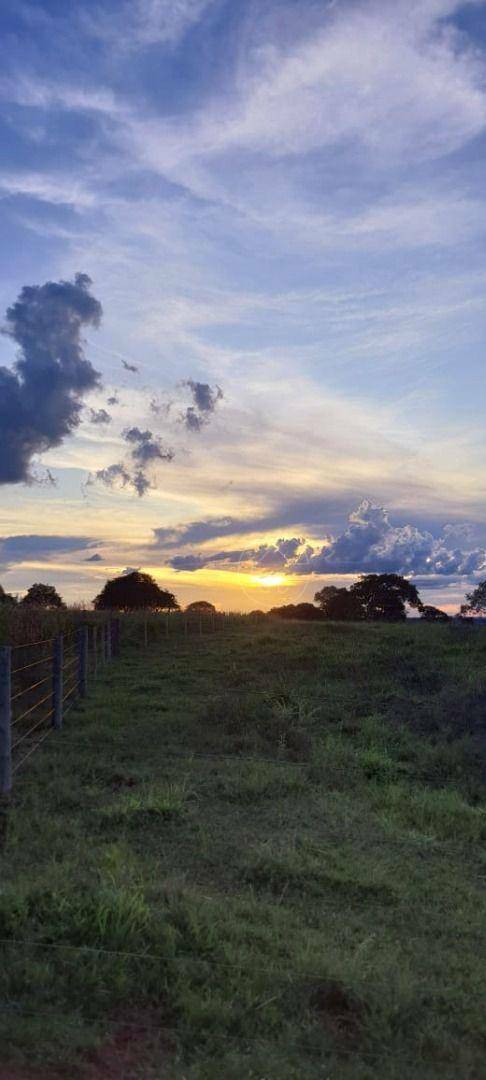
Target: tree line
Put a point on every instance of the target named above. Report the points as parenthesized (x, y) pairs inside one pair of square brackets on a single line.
[(373, 597)]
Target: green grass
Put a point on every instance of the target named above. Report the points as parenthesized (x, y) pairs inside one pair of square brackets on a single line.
[(263, 850)]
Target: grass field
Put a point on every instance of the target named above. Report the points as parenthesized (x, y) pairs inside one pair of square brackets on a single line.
[(258, 853)]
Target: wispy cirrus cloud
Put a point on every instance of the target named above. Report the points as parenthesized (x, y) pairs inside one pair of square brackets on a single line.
[(142, 23)]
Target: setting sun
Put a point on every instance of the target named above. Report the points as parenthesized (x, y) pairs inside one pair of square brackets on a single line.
[(268, 580)]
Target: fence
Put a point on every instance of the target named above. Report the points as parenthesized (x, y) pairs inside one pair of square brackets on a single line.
[(40, 681)]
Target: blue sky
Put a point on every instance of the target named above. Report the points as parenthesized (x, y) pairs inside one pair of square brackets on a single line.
[(283, 200)]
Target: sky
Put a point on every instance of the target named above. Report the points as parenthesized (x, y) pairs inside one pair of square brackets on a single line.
[(242, 295)]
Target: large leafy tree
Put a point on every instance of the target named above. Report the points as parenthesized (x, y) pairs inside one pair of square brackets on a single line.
[(475, 601), (384, 596), (338, 603), (135, 591), (201, 607), (429, 613), (6, 598), (303, 611), (45, 596)]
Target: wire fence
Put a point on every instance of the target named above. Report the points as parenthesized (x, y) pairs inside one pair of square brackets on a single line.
[(42, 680)]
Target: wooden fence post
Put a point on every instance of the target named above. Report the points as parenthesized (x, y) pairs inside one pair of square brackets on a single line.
[(115, 637), (57, 682), (94, 648), (145, 631), (5, 719), (107, 630), (83, 661)]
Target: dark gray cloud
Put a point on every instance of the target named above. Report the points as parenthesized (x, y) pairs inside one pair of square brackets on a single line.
[(41, 397), (370, 543), (205, 399), (145, 447), (267, 557), (318, 511), (129, 367), (112, 476), (94, 558), (118, 476), (99, 416), (113, 400), (18, 549)]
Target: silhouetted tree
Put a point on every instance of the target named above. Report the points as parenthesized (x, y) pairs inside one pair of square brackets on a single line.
[(383, 596), (134, 591), (338, 603), (429, 613), (476, 600), (45, 596), (6, 598), (296, 611), (201, 607)]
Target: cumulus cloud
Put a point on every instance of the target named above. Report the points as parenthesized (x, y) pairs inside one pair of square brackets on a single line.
[(34, 546), (372, 544), (369, 544), (41, 397), (205, 399), (113, 400), (99, 416)]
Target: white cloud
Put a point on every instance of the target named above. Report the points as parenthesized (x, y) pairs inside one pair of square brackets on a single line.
[(380, 76), (50, 188), (140, 23)]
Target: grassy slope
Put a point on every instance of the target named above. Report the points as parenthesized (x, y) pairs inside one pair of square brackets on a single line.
[(318, 914)]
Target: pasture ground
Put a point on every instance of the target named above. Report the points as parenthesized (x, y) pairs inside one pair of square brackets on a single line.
[(255, 854)]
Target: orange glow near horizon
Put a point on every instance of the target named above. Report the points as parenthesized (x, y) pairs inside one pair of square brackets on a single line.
[(267, 580)]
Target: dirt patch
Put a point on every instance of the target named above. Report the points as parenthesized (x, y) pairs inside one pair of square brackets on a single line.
[(118, 781), (136, 1043), (134, 1047), (342, 1013)]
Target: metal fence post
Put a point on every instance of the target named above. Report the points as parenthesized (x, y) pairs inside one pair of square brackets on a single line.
[(57, 682), (83, 661), (5, 719)]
